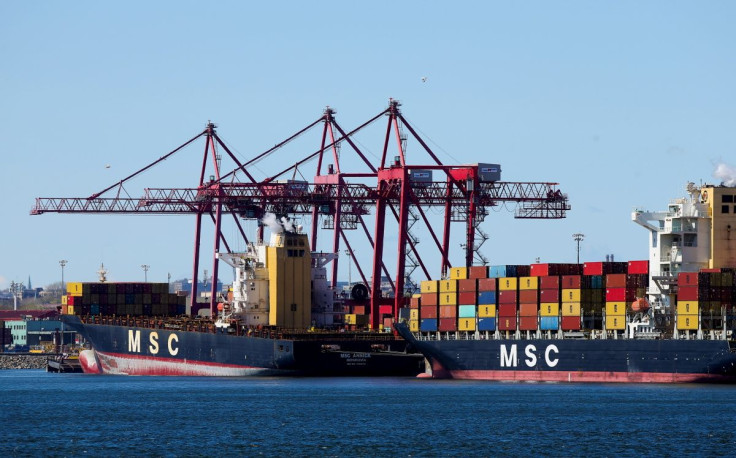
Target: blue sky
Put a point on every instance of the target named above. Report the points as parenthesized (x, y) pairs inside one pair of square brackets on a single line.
[(622, 103)]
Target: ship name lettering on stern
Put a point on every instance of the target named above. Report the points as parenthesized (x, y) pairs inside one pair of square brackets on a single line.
[(509, 356)]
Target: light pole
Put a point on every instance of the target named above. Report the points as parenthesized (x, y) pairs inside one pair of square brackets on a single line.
[(145, 268), (62, 263), (578, 238), (350, 262)]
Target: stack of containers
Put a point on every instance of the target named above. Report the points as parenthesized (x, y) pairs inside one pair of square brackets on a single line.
[(528, 298), (592, 300), (689, 285), (549, 302), (466, 303), (507, 296), (139, 299), (429, 305), (414, 312), (728, 296), (571, 303), (487, 297), (710, 309), (448, 306), (616, 297)]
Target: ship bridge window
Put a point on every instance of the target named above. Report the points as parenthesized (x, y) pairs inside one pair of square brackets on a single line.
[(690, 240)]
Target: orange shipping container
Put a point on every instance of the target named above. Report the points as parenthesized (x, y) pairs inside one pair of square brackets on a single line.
[(487, 284), (528, 309), (467, 285)]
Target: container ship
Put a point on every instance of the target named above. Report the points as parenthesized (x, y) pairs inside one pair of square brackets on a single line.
[(669, 318), (279, 318)]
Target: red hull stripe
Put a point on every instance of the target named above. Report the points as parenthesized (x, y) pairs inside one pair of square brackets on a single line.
[(128, 356), (582, 376)]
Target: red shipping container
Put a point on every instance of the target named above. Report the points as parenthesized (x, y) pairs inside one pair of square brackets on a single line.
[(528, 310), (74, 300), (466, 298), (687, 293), (478, 272), (447, 324), (430, 299), (549, 295), (570, 323), (507, 297), (593, 268), (385, 309), (571, 281), (539, 270), (414, 302), (615, 294), (528, 323), (428, 311), (360, 309), (616, 281), (506, 310), (549, 282), (528, 296), (467, 285), (687, 278), (638, 267), (507, 323), (487, 284), (448, 311)]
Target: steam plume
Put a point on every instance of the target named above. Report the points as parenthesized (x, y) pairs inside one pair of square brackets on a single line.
[(726, 174), (270, 220)]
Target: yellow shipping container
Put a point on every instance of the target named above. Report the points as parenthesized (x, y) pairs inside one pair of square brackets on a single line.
[(448, 298), (528, 282), (570, 295), (414, 314), (687, 307), (508, 283), (466, 324), (74, 288), (687, 322), (414, 326), (416, 296), (615, 308), (350, 318), (70, 310), (486, 311), (429, 286), (63, 300), (458, 273), (448, 286), (615, 322), (549, 309), (571, 309)]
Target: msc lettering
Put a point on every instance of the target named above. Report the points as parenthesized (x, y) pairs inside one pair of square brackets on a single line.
[(134, 342)]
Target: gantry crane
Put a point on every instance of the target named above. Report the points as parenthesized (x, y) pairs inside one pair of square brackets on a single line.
[(340, 199)]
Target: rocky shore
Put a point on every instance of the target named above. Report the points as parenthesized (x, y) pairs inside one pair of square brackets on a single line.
[(8, 361)]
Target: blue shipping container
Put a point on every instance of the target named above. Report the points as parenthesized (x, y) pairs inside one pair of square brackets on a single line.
[(497, 272), (487, 324), (428, 324), (466, 311), (549, 323), (487, 298)]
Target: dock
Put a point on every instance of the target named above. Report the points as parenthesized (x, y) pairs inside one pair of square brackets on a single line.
[(60, 364)]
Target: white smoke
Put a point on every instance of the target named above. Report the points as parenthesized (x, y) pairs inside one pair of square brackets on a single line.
[(288, 225), (726, 174), (270, 220)]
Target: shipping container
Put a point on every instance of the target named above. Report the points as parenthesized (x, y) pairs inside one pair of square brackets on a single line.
[(571, 281), (507, 297), (638, 267), (528, 283), (385, 309), (570, 309), (430, 299), (467, 298), (448, 298), (604, 268), (687, 307), (448, 311), (466, 311), (528, 310), (486, 311), (429, 286), (528, 323), (466, 324), (687, 322), (428, 311), (487, 284), (570, 295), (506, 310), (414, 326), (549, 309), (687, 293), (615, 322), (508, 283), (487, 324), (570, 323), (549, 282), (467, 285), (457, 273), (447, 324), (487, 297), (506, 323), (549, 295), (478, 272), (687, 279), (615, 308), (428, 324), (549, 323), (448, 286), (528, 296), (615, 294)]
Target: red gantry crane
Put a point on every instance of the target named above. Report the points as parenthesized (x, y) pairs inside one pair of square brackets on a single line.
[(393, 190)]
